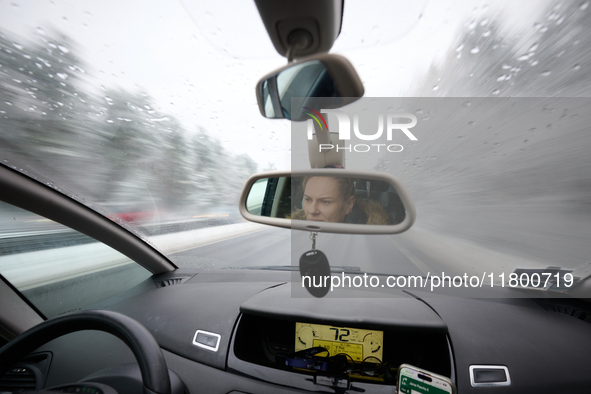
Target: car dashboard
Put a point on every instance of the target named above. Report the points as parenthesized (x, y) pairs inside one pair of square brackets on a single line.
[(231, 331)]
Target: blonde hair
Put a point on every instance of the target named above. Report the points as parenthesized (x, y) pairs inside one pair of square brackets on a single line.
[(346, 185)]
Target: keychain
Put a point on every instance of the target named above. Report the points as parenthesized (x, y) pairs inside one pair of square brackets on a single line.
[(314, 265)]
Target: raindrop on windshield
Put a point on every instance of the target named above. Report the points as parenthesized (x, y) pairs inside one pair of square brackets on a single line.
[(554, 16), (496, 92), (546, 73), (47, 64), (475, 50), (162, 119)]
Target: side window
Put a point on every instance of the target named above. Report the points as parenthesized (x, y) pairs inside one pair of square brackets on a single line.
[(59, 269)]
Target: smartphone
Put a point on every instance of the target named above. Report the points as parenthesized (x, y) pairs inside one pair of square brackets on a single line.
[(413, 380)]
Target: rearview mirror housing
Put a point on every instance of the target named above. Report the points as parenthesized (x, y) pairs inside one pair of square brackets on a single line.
[(328, 200), (329, 81)]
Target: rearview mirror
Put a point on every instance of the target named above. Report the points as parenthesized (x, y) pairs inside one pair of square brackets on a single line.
[(329, 200), (329, 81)]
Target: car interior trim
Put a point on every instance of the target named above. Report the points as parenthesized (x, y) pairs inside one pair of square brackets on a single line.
[(474, 369), (208, 335), (20, 315)]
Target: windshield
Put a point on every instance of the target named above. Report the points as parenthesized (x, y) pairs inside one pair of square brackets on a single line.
[(135, 111), (146, 112)]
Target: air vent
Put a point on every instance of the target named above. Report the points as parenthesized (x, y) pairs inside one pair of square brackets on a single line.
[(19, 378), (26, 375), (171, 279), (574, 312), (171, 282), (575, 308)]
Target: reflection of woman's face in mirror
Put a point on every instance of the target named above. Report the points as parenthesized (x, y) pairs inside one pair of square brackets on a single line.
[(325, 200)]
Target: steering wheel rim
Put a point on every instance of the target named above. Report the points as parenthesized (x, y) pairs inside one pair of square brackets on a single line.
[(140, 341)]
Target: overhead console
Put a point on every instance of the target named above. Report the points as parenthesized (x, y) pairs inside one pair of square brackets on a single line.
[(308, 343)]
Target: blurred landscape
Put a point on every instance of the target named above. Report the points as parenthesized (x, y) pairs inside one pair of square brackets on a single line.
[(108, 148), (509, 175)]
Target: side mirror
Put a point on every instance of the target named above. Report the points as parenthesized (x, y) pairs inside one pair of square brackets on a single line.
[(329, 200), (329, 81)]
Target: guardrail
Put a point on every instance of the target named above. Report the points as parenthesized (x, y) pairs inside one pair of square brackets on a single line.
[(42, 267)]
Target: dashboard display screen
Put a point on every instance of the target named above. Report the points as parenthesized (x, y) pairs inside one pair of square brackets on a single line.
[(360, 345)]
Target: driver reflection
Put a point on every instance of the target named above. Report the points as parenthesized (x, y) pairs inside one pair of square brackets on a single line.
[(328, 199), (332, 199)]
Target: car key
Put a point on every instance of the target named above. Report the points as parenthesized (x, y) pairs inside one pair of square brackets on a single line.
[(314, 265)]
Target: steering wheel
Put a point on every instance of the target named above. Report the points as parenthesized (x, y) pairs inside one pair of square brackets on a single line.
[(139, 340)]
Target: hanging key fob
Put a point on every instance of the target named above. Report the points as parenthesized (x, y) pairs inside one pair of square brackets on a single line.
[(315, 271)]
